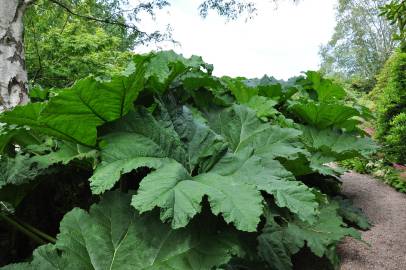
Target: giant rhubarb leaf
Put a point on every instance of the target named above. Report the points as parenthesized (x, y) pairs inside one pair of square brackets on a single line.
[(74, 113), (326, 232), (278, 242), (240, 126), (235, 178), (114, 236), (203, 146), (137, 141), (140, 140), (162, 68), (326, 89), (179, 196), (274, 247), (270, 176), (338, 145), (323, 115), (237, 175)]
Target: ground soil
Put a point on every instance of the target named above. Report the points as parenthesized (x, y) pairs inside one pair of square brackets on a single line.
[(386, 209)]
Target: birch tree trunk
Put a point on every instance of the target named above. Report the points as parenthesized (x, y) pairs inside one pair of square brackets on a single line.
[(13, 75)]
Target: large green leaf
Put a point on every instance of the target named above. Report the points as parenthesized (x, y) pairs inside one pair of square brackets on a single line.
[(203, 146), (137, 140), (278, 242), (263, 106), (323, 115), (114, 236), (235, 178), (89, 103), (255, 145), (273, 245), (326, 232), (179, 196), (338, 145), (270, 176), (74, 113), (242, 92), (240, 126), (327, 90), (272, 88), (172, 189), (205, 90), (140, 140), (162, 68), (28, 115), (249, 96)]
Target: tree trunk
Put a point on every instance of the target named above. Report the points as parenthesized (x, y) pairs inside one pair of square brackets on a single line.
[(13, 75)]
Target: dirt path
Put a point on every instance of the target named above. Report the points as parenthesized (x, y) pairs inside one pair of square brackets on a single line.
[(386, 209)]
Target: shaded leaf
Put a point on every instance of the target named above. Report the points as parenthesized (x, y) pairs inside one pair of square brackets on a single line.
[(114, 236)]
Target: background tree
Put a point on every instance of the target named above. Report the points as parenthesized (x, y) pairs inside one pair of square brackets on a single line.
[(61, 47), (361, 43)]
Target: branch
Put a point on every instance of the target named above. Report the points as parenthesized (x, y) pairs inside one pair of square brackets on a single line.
[(88, 17)]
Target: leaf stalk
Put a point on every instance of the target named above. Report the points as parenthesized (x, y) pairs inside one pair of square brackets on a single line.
[(33, 233)]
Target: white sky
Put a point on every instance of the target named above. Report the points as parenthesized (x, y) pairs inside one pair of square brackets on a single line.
[(280, 42)]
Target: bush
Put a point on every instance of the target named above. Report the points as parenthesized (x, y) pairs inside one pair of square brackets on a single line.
[(174, 168), (390, 97)]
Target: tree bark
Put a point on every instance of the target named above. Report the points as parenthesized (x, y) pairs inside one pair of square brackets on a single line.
[(13, 75)]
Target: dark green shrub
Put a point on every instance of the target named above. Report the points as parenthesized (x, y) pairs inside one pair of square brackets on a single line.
[(390, 96), (396, 138)]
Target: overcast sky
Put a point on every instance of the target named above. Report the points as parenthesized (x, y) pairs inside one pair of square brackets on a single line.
[(280, 42)]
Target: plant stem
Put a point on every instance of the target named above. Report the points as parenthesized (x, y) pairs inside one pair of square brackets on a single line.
[(38, 232), (22, 229)]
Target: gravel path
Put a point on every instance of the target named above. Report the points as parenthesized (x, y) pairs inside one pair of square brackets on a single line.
[(386, 209)]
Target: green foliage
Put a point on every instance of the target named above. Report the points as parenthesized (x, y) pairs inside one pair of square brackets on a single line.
[(61, 48), (390, 96), (395, 12), (357, 164), (198, 164), (397, 136)]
